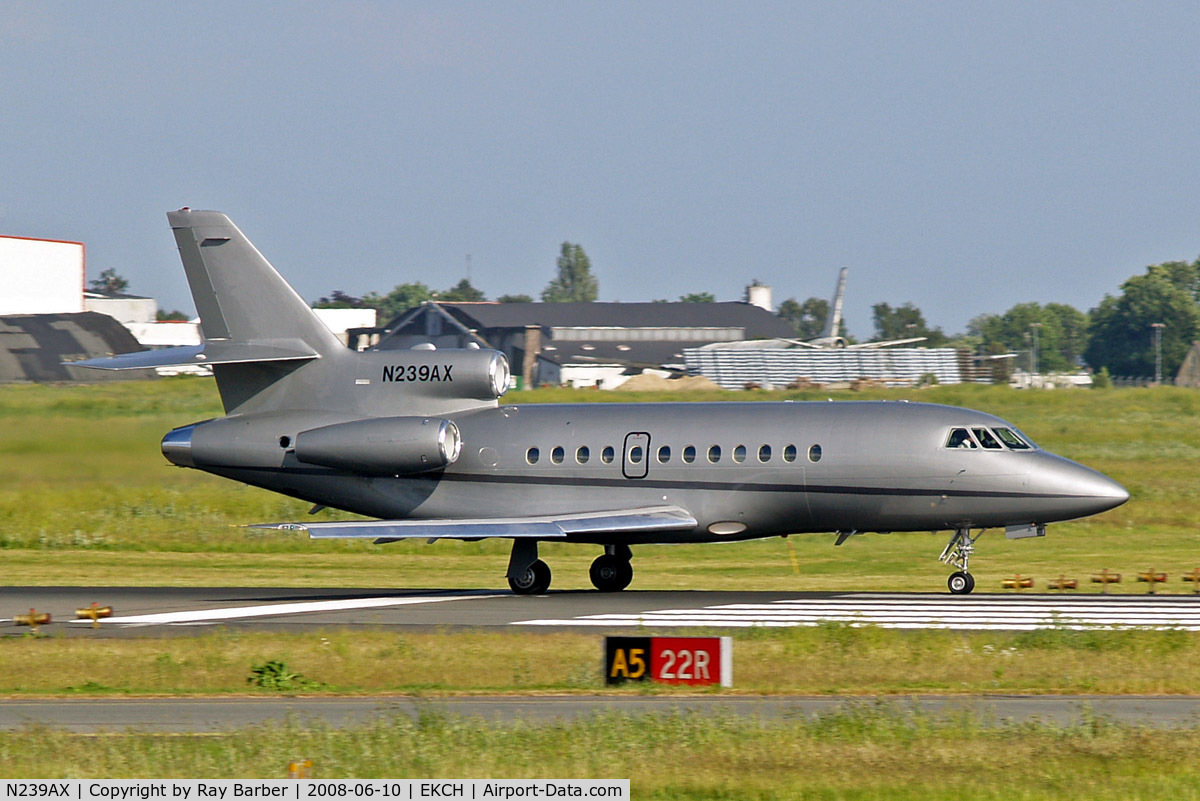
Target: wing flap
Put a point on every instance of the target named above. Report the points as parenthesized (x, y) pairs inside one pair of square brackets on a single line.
[(619, 521)]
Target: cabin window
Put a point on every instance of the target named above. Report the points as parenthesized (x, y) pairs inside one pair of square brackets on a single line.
[(608, 454), (764, 453), (714, 454), (814, 454), (532, 455), (789, 453), (664, 454), (558, 454), (961, 438), (986, 439), (583, 454), (739, 454), (689, 454), (635, 454), (1010, 438)]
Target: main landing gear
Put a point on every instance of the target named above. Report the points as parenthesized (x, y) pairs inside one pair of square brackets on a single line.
[(528, 575), (958, 554), (612, 572)]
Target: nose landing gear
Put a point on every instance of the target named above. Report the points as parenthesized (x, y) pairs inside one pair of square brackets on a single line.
[(958, 553)]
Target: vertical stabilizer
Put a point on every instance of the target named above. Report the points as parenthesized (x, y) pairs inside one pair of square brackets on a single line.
[(239, 296), (833, 323), (245, 306)]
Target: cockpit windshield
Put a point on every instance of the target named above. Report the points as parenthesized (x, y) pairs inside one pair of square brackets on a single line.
[(1012, 439), (986, 439), (990, 439), (961, 438)]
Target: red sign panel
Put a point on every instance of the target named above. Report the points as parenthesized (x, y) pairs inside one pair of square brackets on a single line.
[(686, 660)]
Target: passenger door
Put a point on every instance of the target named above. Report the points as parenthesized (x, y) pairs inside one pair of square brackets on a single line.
[(635, 460)]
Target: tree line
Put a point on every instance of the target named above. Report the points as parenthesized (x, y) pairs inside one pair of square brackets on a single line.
[(1117, 336)]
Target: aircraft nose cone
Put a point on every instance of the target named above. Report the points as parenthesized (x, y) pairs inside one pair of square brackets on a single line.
[(1078, 491), (1102, 490)]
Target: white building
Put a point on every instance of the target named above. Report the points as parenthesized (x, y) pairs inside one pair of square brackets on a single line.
[(41, 276)]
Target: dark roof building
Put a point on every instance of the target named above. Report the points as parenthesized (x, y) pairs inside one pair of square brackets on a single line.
[(33, 347), (580, 343)]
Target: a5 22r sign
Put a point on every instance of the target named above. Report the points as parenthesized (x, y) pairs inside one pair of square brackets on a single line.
[(669, 660)]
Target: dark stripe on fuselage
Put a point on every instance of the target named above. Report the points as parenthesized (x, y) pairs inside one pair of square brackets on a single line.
[(610, 483)]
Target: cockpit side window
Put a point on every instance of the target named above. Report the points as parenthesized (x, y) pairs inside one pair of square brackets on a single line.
[(986, 439), (1010, 438), (960, 438)]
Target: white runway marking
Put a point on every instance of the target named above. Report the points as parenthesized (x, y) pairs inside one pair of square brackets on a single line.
[(999, 613), (202, 616)]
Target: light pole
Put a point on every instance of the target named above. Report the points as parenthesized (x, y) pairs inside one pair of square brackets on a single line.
[(1158, 329), (1034, 358)]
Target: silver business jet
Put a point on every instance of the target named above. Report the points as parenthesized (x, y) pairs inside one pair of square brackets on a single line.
[(419, 440)]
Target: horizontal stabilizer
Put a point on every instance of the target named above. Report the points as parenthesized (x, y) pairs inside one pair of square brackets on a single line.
[(213, 352), (621, 521)]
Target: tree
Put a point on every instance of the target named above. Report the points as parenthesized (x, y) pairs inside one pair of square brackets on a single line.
[(109, 283), (1181, 274), (514, 299), (339, 300), (904, 322), (698, 297), (402, 298), (462, 292), (1062, 334), (808, 318), (171, 316), (575, 282), (1122, 338)]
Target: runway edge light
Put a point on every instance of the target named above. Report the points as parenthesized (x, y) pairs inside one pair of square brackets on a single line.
[(693, 661)]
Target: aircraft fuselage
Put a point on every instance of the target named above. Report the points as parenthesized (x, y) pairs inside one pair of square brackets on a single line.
[(743, 470)]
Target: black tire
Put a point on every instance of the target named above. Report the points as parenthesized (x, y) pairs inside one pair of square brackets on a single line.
[(961, 583), (610, 573), (534, 581)]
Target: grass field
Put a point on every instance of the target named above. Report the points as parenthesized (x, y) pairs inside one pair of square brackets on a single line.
[(825, 660), (867, 753)]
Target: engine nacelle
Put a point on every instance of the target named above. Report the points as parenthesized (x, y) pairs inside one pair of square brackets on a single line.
[(382, 446), (456, 373)]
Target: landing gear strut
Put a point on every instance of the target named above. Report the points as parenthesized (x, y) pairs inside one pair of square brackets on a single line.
[(958, 554), (612, 572), (527, 575)]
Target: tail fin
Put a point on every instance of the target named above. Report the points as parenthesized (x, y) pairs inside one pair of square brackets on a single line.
[(833, 323), (257, 331), (238, 294)]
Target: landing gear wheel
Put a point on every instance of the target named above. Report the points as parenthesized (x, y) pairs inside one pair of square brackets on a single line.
[(961, 583), (534, 581), (610, 573)]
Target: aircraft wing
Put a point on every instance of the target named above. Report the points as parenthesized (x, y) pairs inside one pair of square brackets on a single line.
[(890, 343), (618, 521)]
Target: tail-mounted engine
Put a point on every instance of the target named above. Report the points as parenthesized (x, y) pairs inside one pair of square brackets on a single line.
[(382, 446), (468, 374), (376, 446)]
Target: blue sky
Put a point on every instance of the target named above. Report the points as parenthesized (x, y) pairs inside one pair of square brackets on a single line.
[(964, 157)]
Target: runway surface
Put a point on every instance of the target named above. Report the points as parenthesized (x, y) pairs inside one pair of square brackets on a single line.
[(221, 714), (145, 611)]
